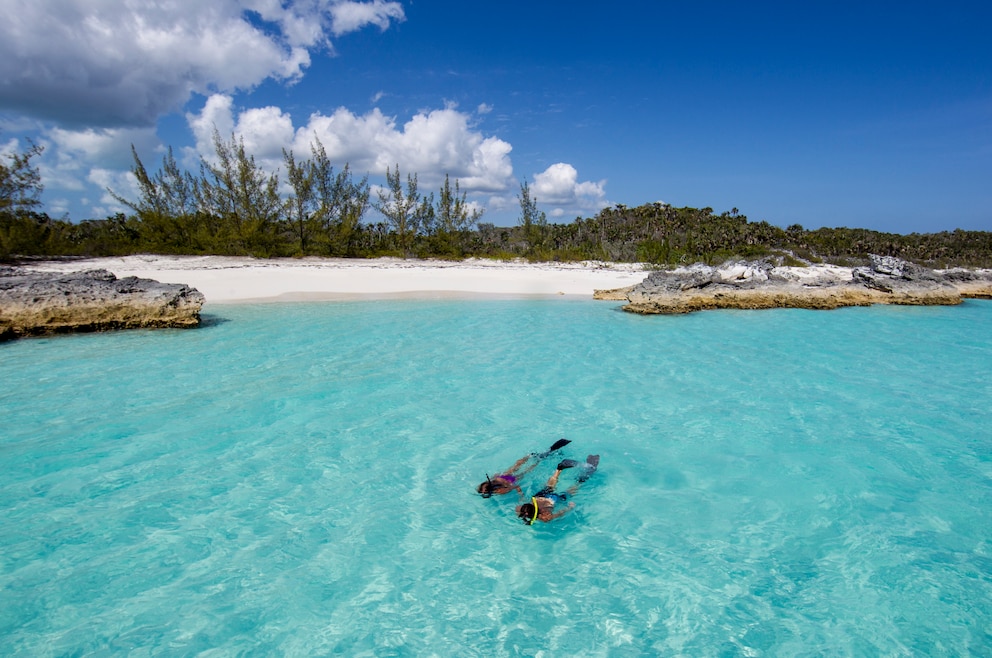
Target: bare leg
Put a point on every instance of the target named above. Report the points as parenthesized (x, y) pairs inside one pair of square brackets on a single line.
[(520, 462), (592, 463), (528, 469)]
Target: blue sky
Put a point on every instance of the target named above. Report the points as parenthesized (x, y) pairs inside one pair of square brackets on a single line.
[(875, 115)]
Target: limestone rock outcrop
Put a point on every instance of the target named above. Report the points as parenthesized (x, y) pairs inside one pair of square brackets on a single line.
[(759, 285), (36, 303)]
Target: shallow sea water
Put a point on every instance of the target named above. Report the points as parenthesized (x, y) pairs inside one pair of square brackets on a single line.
[(298, 479)]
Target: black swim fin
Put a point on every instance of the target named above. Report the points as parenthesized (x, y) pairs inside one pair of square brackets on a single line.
[(592, 463), (557, 445), (567, 463)]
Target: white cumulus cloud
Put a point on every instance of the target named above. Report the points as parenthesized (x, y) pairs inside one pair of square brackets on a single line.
[(351, 16), (430, 144), (109, 146), (112, 63), (122, 183), (265, 131), (559, 186), (75, 158)]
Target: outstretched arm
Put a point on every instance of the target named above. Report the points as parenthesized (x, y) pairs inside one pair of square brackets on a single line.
[(565, 511)]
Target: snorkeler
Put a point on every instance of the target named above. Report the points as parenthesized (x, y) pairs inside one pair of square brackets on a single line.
[(504, 483), (542, 504)]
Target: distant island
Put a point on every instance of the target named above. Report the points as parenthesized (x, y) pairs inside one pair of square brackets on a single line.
[(700, 259)]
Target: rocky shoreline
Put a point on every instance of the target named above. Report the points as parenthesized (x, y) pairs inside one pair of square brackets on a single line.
[(762, 285), (37, 303)]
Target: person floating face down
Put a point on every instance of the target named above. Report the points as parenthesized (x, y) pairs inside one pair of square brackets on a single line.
[(542, 504), (509, 480)]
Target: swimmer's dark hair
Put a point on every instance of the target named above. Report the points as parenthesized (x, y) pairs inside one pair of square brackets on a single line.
[(526, 512), (487, 488)]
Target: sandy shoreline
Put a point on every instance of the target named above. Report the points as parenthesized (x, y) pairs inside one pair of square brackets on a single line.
[(225, 279)]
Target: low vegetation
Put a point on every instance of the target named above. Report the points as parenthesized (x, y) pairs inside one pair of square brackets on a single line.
[(233, 207)]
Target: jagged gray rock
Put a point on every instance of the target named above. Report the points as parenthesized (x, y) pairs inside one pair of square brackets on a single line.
[(36, 303), (760, 284), (974, 284)]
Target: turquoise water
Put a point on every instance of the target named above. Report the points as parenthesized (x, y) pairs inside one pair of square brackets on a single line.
[(299, 479)]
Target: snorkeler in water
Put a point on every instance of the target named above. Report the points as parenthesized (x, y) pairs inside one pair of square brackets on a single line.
[(542, 504), (509, 480)]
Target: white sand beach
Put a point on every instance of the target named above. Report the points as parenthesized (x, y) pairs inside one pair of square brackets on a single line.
[(226, 279)]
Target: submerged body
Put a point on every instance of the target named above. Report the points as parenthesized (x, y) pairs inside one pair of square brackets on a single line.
[(504, 483), (542, 504)]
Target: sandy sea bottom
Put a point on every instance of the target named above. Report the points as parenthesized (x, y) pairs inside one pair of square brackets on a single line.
[(297, 479)]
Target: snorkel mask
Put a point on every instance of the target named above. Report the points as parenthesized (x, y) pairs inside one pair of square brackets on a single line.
[(533, 501), (487, 489)]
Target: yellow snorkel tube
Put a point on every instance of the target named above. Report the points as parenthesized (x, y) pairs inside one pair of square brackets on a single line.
[(533, 502)]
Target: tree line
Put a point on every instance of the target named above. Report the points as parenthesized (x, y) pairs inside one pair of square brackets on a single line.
[(232, 206)]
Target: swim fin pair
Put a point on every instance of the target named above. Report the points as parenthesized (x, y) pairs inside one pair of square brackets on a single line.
[(557, 445), (592, 463)]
